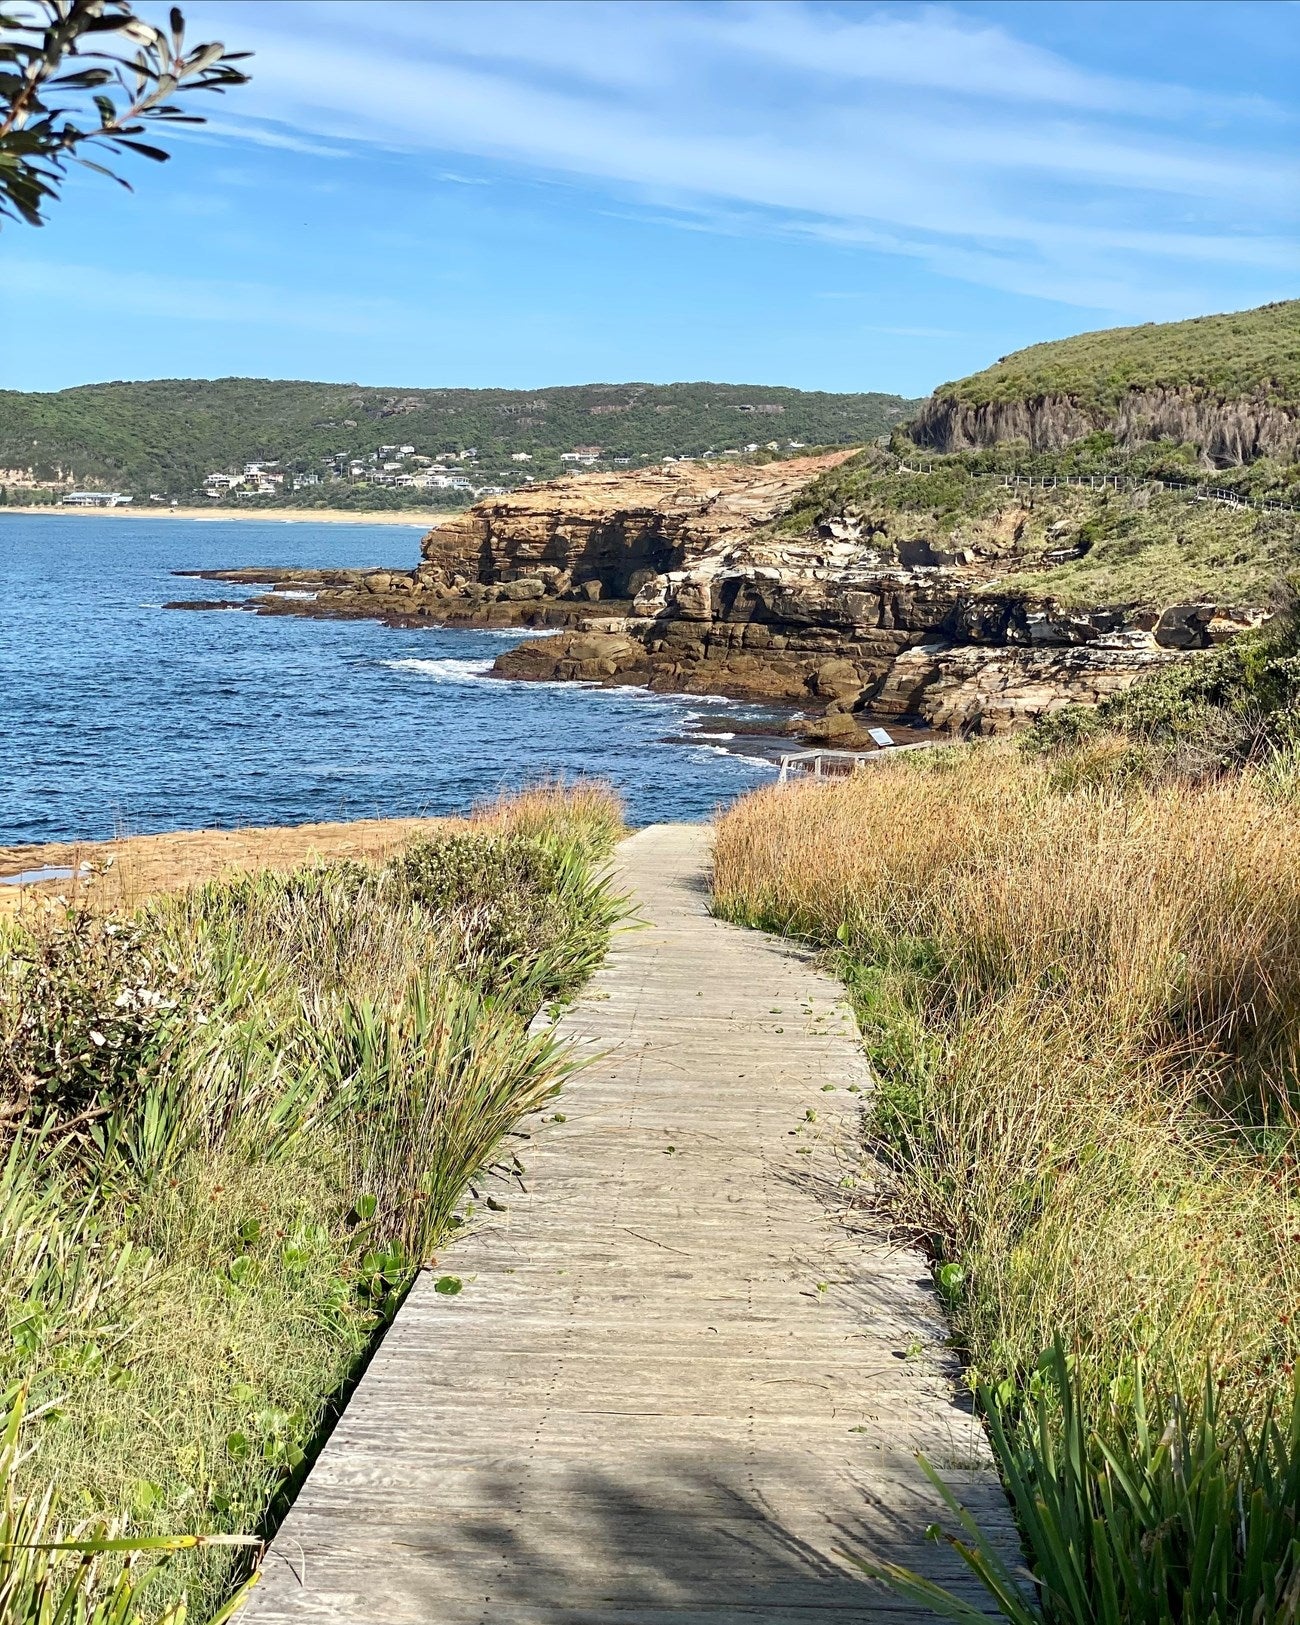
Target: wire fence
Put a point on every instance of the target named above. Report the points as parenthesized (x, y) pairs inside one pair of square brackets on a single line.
[(1123, 482)]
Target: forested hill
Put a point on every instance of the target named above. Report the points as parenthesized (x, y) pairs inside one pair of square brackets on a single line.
[(166, 436)]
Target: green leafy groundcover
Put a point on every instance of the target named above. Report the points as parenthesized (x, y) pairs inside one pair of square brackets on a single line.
[(237, 1123)]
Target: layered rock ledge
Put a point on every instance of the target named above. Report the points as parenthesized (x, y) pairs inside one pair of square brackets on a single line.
[(675, 578)]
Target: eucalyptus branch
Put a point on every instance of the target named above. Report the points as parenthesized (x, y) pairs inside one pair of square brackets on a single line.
[(76, 74)]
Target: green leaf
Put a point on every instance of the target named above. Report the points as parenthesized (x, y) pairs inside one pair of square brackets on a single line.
[(448, 1285)]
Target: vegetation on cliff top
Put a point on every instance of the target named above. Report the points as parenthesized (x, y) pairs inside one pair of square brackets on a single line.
[(1240, 355), (235, 1123), (166, 435)]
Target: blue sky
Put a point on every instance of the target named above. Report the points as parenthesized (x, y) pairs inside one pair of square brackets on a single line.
[(834, 196)]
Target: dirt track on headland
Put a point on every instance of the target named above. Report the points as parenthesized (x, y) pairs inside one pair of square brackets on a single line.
[(145, 864)]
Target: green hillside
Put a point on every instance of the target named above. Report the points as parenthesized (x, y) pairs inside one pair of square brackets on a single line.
[(1086, 547), (1241, 355), (166, 436)]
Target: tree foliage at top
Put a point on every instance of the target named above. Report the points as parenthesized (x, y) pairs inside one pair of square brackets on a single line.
[(89, 75)]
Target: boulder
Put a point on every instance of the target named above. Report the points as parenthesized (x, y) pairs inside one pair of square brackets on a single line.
[(693, 601), (835, 725), (514, 592), (601, 646), (1185, 626), (837, 680)]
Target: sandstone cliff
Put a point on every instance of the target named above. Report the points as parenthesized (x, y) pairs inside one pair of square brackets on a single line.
[(607, 534), (684, 580), (1228, 432), (1227, 384)]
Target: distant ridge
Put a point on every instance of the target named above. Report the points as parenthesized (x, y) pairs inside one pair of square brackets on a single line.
[(166, 435)]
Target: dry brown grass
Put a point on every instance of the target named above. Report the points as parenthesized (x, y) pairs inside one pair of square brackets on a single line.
[(124, 873), (144, 865), (1085, 1012)]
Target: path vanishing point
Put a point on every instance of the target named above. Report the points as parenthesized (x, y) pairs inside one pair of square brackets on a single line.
[(686, 1373)]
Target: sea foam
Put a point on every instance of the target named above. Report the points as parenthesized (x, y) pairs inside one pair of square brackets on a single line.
[(447, 670)]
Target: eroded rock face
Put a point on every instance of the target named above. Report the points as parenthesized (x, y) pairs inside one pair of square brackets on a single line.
[(979, 690), (617, 532), (933, 647), (1227, 432)]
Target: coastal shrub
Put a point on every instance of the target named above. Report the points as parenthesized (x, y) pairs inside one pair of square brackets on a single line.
[(83, 1003), (1234, 704), (1156, 1511), (586, 815), (278, 1142), (1082, 1003), (530, 911)]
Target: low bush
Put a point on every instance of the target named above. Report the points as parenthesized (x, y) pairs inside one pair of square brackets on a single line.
[(1236, 704)]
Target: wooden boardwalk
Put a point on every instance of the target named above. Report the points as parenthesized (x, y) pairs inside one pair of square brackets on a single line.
[(684, 1373)]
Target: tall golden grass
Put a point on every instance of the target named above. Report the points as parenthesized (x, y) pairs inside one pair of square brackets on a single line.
[(1084, 1009)]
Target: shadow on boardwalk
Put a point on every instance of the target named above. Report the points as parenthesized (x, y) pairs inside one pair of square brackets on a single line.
[(685, 1373)]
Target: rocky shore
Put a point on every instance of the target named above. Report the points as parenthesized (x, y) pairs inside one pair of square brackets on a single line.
[(675, 578)]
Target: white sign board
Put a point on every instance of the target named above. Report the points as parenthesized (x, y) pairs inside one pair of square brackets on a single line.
[(880, 736)]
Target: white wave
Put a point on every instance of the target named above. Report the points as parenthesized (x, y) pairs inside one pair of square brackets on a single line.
[(707, 733), (444, 671), (295, 592), (517, 634), (732, 755)]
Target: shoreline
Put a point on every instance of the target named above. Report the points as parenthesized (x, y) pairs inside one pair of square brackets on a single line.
[(417, 518), (143, 865)]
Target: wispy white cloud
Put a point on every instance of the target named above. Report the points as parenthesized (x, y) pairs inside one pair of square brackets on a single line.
[(96, 291), (924, 133)]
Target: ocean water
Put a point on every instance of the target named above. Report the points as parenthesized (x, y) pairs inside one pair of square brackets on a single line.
[(118, 716)]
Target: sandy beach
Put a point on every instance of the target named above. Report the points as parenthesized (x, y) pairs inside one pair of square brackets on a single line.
[(305, 516)]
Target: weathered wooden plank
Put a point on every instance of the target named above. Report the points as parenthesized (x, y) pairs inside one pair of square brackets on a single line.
[(678, 1384)]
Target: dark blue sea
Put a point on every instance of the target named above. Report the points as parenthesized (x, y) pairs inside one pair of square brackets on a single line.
[(121, 717)]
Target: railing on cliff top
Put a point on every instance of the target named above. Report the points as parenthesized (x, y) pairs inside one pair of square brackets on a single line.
[(798, 765), (1121, 482)]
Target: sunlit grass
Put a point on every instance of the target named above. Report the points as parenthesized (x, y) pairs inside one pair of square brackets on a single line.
[(237, 1123)]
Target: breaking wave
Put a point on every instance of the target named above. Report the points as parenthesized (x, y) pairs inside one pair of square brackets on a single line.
[(447, 670)]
